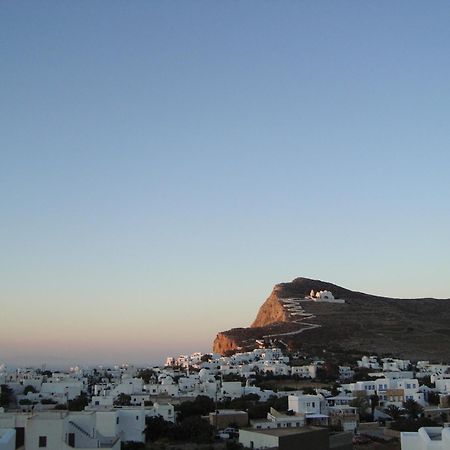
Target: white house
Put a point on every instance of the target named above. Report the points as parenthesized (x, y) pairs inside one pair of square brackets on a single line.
[(308, 371), (63, 389), (369, 362), (344, 417), (427, 438), (232, 389), (390, 364), (164, 410), (324, 296), (442, 385), (306, 404)]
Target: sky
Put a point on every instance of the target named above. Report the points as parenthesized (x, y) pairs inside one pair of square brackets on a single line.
[(164, 163)]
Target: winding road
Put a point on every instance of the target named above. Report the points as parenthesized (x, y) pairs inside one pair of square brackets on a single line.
[(292, 305)]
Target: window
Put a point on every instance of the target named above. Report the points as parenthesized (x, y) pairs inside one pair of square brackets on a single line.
[(117, 420), (137, 417), (42, 441)]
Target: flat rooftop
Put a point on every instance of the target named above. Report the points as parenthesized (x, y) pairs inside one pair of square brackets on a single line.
[(285, 431)]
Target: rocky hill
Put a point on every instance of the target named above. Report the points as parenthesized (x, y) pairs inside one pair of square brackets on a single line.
[(411, 328)]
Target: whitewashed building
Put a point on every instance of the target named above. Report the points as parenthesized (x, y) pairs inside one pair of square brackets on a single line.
[(427, 438)]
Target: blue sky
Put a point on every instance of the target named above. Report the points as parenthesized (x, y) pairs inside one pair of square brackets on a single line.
[(164, 164)]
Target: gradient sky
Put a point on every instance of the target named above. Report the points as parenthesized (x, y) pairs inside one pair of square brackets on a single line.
[(164, 164)]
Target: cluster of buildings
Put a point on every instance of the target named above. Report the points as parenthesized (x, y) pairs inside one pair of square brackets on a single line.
[(39, 418), (119, 399)]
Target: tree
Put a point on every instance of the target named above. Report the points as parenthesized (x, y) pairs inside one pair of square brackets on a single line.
[(29, 388), (406, 424), (190, 429), (6, 395), (194, 429), (393, 411), (361, 403), (233, 445), (334, 390), (361, 374), (146, 375), (78, 403), (374, 401), (251, 397), (201, 406), (427, 381), (123, 400), (156, 427), (132, 445), (60, 407), (206, 357), (433, 398), (233, 377), (331, 370), (412, 408), (309, 391)]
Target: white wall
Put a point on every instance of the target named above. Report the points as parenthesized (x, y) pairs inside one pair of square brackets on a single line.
[(49, 425), (259, 440), (304, 403), (106, 423), (421, 440), (7, 439), (131, 424), (232, 389)]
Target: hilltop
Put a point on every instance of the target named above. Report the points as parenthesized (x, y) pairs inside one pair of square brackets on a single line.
[(412, 328)]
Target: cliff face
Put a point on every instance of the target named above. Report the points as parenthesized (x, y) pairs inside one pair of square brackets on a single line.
[(224, 343), (271, 311)]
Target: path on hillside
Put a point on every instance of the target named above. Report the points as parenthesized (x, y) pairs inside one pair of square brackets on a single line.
[(294, 309)]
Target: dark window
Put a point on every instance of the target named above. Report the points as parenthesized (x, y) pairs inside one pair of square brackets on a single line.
[(71, 439), (137, 417), (20, 437), (42, 441), (117, 420)]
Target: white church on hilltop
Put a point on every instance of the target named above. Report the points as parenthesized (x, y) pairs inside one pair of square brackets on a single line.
[(323, 297)]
